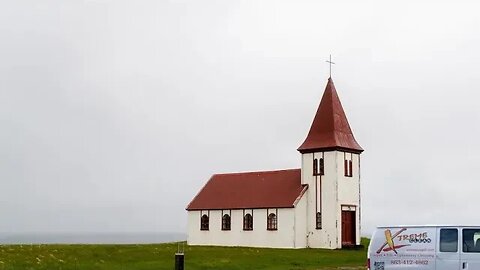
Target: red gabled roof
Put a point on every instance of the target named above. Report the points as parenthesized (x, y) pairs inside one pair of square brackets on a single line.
[(330, 129), (268, 189)]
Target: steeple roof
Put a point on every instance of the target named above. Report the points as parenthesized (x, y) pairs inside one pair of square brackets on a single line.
[(330, 129)]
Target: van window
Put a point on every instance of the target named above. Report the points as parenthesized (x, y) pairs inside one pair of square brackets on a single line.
[(471, 240), (448, 240)]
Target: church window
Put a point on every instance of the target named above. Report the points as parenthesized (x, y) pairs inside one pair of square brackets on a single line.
[(350, 168), (318, 221), (318, 166), (346, 167), (247, 222), (226, 222), (204, 223), (348, 164), (322, 166), (272, 222)]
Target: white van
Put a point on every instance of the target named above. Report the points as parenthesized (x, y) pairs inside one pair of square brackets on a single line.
[(425, 248)]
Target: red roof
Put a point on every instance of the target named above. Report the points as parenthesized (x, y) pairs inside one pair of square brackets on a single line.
[(268, 189), (330, 129)]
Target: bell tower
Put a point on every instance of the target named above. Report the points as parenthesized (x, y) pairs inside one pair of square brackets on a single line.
[(331, 168)]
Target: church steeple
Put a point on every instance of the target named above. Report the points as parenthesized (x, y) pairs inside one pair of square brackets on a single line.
[(330, 129)]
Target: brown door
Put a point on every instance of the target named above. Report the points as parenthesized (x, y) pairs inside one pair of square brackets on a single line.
[(348, 228)]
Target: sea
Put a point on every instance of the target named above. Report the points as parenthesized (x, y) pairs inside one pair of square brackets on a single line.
[(90, 238)]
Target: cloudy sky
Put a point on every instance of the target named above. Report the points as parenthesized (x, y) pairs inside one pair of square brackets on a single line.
[(114, 113)]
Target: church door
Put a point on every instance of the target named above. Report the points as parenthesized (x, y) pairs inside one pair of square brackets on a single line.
[(348, 228)]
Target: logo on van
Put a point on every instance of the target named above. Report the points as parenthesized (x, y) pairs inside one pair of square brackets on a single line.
[(389, 241)]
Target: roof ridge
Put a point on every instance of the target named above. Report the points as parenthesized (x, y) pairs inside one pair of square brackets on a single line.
[(256, 172)]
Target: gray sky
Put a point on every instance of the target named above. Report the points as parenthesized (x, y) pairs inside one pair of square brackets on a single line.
[(114, 113)]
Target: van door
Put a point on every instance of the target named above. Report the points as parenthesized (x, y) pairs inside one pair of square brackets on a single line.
[(448, 253), (470, 256)]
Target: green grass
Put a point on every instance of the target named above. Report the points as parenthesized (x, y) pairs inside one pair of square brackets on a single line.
[(161, 256)]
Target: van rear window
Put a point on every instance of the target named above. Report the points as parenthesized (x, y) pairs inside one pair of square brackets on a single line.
[(471, 240), (448, 240)]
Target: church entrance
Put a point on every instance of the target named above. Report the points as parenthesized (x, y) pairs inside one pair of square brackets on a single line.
[(348, 226)]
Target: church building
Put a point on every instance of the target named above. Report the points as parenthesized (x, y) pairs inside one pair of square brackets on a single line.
[(316, 206)]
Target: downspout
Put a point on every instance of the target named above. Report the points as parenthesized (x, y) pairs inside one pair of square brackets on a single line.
[(295, 226), (338, 212), (359, 204)]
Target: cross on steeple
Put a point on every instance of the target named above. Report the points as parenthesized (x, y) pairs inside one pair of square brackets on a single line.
[(330, 62)]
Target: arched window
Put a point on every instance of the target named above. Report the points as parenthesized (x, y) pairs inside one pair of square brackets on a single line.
[(319, 220), (247, 222), (350, 167), (322, 167), (272, 222), (318, 166), (226, 221), (204, 223), (346, 167)]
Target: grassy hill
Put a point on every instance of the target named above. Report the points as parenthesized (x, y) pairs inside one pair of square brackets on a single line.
[(161, 256)]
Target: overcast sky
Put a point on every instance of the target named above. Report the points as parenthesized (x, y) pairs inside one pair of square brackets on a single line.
[(113, 114)]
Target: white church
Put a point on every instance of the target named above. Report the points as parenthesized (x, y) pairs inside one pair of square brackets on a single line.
[(315, 206)]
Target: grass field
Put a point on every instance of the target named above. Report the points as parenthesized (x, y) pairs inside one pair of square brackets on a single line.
[(161, 256)]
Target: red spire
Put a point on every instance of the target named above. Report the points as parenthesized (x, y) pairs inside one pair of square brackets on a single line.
[(330, 129)]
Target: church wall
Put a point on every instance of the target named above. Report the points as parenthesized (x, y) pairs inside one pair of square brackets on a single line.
[(284, 237), (301, 223), (349, 189), (327, 236)]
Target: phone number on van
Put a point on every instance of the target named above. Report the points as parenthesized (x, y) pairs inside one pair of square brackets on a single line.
[(412, 262)]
